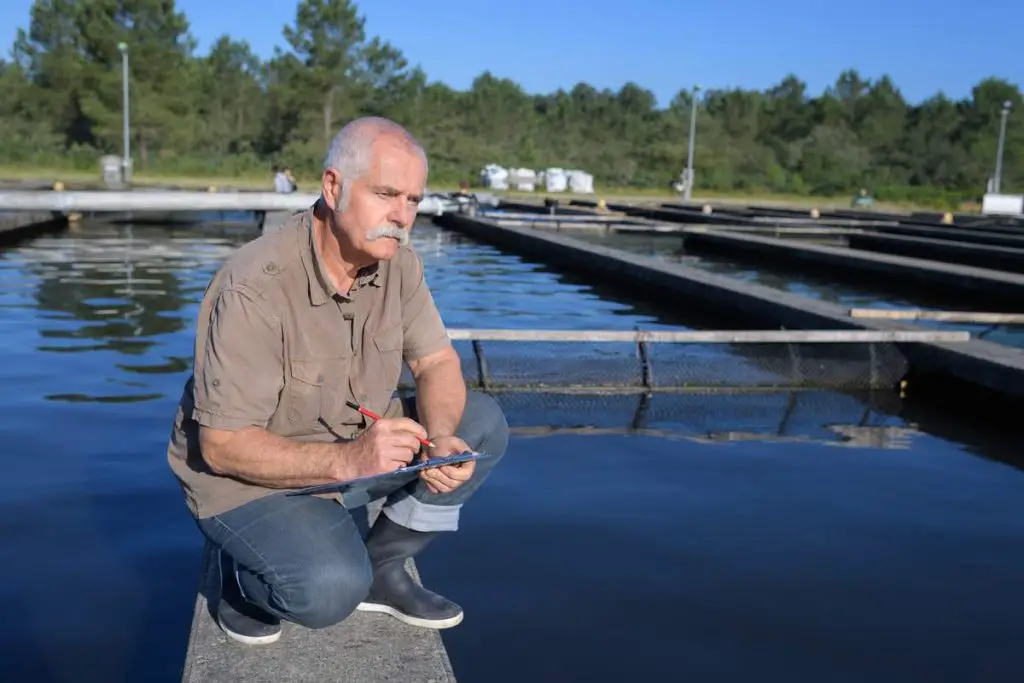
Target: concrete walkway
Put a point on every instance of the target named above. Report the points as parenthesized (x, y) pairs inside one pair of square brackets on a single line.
[(365, 648)]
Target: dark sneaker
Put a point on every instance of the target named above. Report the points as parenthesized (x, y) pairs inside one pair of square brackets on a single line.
[(393, 590), (238, 618)]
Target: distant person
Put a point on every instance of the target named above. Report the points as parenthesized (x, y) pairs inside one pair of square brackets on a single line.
[(862, 198), (295, 325), (291, 179), (282, 183)]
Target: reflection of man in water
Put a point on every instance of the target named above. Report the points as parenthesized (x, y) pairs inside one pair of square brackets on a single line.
[(295, 326)]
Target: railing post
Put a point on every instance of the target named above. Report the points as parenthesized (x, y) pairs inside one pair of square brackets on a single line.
[(791, 401), (794, 359), (646, 373), (481, 365), (640, 415), (874, 366)]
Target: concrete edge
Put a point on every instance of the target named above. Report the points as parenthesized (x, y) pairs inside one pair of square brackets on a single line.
[(199, 609), (977, 362), (1007, 259), (677, 213), (16, 226), (934, 272), (958, 235)]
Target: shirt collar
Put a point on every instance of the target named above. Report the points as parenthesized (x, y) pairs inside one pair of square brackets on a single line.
[(321, 289)]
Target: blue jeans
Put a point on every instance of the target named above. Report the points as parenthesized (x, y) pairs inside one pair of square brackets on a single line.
[(303, 558)]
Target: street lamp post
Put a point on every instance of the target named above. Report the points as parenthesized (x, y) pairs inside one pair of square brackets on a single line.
[(999, 150), (688, 173), (126, 160)]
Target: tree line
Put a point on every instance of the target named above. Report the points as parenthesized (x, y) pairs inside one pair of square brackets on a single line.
[(230, 113)]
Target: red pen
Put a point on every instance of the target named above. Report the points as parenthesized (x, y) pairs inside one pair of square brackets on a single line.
[(374, 416)]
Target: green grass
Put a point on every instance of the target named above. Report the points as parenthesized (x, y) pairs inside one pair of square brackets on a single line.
[(78, 178)]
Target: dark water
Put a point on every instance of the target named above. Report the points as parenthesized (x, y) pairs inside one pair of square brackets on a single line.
[(814, 537), (738, 563), (864, 293)]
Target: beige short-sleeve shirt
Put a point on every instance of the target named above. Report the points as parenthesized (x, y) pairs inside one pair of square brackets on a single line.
[(278, 347)]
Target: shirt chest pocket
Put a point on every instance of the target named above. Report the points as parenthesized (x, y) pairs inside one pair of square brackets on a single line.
[(382, 359), (389, 339), (314, 391)]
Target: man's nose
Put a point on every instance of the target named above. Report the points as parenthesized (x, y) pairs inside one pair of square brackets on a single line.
[(403, 212)]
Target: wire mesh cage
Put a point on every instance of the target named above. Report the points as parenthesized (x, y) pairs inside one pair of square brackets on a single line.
[(616, 366), (856, 419), (833, 386)]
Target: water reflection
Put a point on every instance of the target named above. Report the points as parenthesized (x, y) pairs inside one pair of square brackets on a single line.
[(127, 285), (123, 294)]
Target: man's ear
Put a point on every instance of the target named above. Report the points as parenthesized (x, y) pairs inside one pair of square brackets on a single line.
[(331, 184)]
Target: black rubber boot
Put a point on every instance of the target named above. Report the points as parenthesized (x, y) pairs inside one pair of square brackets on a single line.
[(393, 591), (238, 618)]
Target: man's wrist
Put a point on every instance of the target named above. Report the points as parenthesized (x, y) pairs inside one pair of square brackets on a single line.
[(439, 434), (446, 434), (340, 467)]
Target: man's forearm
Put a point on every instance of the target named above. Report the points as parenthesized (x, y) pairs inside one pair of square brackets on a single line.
[(441, 397), (259, 457)]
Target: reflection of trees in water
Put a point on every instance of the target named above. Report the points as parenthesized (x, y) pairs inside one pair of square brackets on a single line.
[(124, 286)]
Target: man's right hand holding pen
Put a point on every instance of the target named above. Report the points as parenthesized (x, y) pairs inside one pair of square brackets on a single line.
[(391, 443), (388, 444)]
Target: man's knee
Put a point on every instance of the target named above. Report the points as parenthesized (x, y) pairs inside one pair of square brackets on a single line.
[(484, 424), (325, 593)]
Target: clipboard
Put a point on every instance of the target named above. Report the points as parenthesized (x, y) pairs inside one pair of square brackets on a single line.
[(339, 486)]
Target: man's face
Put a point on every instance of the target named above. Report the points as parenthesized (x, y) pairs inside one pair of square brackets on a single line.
[(385, 197)]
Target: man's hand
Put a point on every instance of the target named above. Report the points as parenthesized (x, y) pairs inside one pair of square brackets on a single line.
[(388, 444), (447, 478)]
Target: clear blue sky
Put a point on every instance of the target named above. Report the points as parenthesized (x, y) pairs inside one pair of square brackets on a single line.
[(925, 45)]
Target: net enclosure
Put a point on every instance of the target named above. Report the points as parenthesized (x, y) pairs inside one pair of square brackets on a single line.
[(673, 361), (823, 416)]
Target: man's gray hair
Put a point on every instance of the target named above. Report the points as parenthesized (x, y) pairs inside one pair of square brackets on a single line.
[(349, 153)]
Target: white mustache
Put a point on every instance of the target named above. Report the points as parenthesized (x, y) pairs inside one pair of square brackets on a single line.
[(389, 231)]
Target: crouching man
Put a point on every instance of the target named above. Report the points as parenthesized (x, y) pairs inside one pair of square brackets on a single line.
[(294, 329)]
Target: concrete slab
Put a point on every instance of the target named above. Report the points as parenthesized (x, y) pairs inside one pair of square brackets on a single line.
[(365, 648)]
